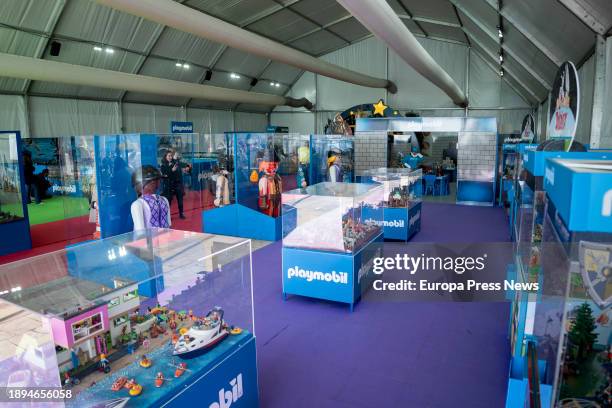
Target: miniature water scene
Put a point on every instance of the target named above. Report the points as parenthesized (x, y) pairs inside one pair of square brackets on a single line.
[(127, 321)]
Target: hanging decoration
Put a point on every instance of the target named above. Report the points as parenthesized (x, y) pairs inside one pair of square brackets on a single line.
[(344, 122)]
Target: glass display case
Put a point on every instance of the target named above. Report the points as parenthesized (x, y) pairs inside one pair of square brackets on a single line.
[(572, 318), (165, 317), (14, 219), (403, 190), (11, 193), (264, 165), (332, 158), (331, 234), (338, 217)]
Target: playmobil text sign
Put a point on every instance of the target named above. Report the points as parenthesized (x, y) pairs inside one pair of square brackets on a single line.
[(549, 175), (181, 127), (309, 276), (228, 397), (64, 189), (414, 219), (387, 223)]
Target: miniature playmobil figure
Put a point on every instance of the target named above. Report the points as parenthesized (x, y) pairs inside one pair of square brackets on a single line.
[(104, 364), (180, 370), (221, 187), (70, 381), (334, 166), (159, 379), (270, 188), (145, 362), (150, 209)]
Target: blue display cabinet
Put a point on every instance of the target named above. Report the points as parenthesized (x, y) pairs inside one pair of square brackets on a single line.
[(403, 190), (93, 323), (14, 224), (263, 166), (575, 288), (322, 147), (520, 197), (331, 233)]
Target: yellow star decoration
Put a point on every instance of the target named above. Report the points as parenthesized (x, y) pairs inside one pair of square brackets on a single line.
[(379, 108)]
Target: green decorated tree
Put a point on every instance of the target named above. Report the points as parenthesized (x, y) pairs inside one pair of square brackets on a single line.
[(582, 334)]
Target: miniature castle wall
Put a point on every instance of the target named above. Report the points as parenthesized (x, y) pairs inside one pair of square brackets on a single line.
[(370, 151)]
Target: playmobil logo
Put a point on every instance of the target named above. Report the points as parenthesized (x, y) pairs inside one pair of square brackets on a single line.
[(227, 398), (414, 219), (549, 175), (204, 175), (335, 277), (181, 127), (606, 206), (380, 223), (64, 189)]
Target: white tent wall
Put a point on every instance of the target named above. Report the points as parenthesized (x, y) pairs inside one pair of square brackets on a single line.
[(55, 117), (486, 89), (150, 118), (606, 128), (586, 78), (13, 114), (51, 117)]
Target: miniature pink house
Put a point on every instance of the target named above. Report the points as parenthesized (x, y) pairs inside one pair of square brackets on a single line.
[(80, 327)]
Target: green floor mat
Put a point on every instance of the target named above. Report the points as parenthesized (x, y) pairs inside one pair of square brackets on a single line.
[(57, 208)]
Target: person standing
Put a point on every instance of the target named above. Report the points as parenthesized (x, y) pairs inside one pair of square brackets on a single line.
[(29, 178), (173, 182)]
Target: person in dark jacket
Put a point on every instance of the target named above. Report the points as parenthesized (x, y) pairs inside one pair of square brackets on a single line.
[(29, 178), (173, 182)]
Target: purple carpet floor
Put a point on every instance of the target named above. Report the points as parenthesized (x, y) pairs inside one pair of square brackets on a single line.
[(317, 354)]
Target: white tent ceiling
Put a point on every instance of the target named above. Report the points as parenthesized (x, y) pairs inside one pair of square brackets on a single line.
[(538, 36)]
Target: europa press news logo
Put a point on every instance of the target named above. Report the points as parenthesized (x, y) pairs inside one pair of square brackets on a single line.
[(227, 398)]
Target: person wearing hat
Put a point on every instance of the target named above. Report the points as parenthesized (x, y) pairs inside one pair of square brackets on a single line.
[(150, 210), (270, 185), (334, 166)]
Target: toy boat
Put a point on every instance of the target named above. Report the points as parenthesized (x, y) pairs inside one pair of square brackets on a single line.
[(119, 383), (159, 380), (146, 363), (235, 331), (180, 370), (203, 335), (136, 390)]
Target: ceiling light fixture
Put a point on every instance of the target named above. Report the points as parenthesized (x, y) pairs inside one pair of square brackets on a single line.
[(96, 48), (501, 72), (500, 33), (178, 64), (234, 76), (186, 66), (109, 50)]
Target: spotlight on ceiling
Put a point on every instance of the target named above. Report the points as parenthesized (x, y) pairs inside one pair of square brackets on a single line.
[(96, 48), (500, 33), (254, 81), (234, 76), (186, 66), (501, 57), (501, 72), (178, 64), (208, 75), (109, 50)]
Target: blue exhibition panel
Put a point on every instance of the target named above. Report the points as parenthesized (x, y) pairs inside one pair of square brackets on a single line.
[(399, 223), (117, 157), (201, 171), (534, 161), (14, 234), (475, 192), (241, 221), (582, 198), (334, 276)]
